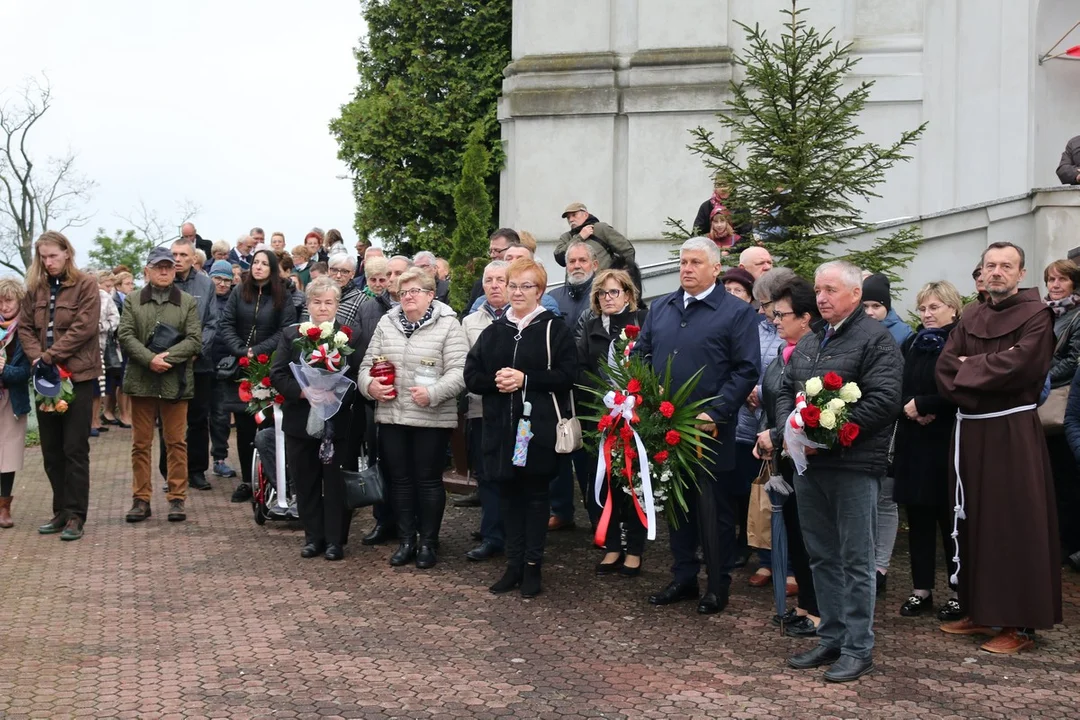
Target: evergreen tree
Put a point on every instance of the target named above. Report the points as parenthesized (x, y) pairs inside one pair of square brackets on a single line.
[(124, 248), (429, 70), (472, 208), (796, 162)]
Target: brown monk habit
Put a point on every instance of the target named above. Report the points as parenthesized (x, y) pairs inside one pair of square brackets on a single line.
[(1010, 573)]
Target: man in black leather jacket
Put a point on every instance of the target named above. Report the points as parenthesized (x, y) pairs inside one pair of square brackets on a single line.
[(838, 493)]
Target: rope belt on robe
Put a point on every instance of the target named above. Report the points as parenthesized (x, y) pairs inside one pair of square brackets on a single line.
[(958, 497)]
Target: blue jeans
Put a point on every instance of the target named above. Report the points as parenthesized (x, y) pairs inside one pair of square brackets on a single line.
[(491, 526), (838, 514)]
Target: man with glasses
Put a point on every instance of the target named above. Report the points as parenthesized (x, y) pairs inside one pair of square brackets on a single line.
[(241, 254), (222, 276), (498, 243)]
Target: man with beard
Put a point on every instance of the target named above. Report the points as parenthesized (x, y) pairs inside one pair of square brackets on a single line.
[(1005, 522), (575, 294), (610, 248)]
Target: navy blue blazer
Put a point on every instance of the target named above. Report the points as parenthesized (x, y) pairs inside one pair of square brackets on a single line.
[(719, 334)]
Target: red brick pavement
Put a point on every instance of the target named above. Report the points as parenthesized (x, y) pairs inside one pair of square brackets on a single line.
[(219, 618)]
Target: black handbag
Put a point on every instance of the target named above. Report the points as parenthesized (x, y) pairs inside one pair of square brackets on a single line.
[(163, 337), (227, 369), (364, 488)]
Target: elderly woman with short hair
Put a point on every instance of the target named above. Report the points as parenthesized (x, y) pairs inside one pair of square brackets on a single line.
[(527, 357), (342, 268), (220, 250), (416, 414), (376, 277), (320, 488)]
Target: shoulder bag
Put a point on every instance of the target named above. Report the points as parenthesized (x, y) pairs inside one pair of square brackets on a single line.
[(364, 487), (567, 430), (1052, 412), (228, 368)]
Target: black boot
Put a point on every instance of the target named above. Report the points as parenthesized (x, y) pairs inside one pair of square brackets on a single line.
[(425, 557), (510, 580), (405, 553), (530, 582)]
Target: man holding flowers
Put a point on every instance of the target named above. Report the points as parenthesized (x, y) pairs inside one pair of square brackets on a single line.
[(841, 395), (701, 326)]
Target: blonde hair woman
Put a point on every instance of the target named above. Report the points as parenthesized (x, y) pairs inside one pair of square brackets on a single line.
[(58, 328), (15, 397)]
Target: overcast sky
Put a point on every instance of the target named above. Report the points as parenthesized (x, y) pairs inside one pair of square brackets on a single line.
[(225, 104)]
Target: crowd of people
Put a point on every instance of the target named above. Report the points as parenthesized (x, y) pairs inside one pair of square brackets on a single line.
[(950, 421)]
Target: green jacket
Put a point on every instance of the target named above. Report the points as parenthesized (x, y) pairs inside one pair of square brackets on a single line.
[(606, 241), (142, 312)]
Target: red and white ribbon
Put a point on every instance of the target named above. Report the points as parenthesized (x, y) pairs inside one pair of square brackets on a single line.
[(624, 411), (324, 355)]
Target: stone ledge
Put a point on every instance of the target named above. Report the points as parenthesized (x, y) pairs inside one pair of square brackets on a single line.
[(565, 63), (667, 57)]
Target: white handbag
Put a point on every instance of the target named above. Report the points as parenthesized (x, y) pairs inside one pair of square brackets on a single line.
[(567, 430)]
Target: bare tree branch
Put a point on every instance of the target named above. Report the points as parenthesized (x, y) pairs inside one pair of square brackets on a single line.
[(149, 225)]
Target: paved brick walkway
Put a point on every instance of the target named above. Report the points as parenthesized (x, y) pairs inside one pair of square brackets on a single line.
[(220, 618)]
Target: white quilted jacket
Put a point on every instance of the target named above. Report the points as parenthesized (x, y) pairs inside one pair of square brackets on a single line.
[(440, 339)]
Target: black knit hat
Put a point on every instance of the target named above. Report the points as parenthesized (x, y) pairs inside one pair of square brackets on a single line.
[(876, 289)]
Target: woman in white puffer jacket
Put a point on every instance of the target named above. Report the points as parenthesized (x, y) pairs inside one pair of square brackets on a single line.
[(415, 416)]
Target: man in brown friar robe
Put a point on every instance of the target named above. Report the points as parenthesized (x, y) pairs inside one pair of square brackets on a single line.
[(993, 367)]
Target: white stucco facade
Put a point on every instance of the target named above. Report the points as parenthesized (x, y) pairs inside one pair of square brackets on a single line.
[(600, 96)]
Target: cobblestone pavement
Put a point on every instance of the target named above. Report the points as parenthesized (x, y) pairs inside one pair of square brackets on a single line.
[(217, 617)]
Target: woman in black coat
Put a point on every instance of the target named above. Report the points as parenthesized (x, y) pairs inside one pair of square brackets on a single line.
[(320, 489), (922, 454), (256, 313), (614, 305), (527, 356)]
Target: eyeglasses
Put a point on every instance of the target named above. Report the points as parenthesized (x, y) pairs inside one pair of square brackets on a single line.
[(610, 293), (223, 280), (413, 291), (340, 271), (524, 287), (495, 252), (778, 315)]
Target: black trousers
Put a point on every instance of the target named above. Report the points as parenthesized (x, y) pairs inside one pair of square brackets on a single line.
[(320, 490), (524, 504), (710, 522), (925, 523), (198, 428), (65, 448), (1067, 492), (624, 515), (413, 460), (245, 436), (797, 555)]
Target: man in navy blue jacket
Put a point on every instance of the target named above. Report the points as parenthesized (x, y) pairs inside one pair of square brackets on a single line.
[(702, 326)]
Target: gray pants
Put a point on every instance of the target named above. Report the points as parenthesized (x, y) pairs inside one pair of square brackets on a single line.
[(888, 520), (838, 514), (219, 419)]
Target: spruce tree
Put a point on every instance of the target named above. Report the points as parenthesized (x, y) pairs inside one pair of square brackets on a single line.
[(472, 210), (796, 161)]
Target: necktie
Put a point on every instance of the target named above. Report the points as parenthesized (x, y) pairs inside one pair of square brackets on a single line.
[(828, 336)]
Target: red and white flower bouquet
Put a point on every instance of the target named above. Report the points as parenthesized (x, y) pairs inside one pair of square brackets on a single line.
[(256, 389), (820, 418)]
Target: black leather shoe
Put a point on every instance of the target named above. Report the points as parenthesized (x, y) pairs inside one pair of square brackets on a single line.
[(477, 536), (199, 482), (742, 558), (917, 605), (817, 657), (470, 500), (882, 583), (425, 557), (951, 611), (311, 550), (610, 568), (483, 551), (712, 603), (54, 526), (673, 593), (1074, 561), (848, 668), (801, 626), (242, 493), (787, 617), (631, 572), (404, 555), (510, 580), (334, 552), (378, 535)]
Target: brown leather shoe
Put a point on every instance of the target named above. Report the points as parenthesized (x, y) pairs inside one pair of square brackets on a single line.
[(5, 512), (760, 579), (555, 523), (1009, 642), (792, 588), (965, 627)]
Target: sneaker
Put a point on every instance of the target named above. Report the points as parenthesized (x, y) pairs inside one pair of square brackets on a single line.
[(950, 611), (223, 470), (242, 494), (73, 530), (176, 511), (140, 510)]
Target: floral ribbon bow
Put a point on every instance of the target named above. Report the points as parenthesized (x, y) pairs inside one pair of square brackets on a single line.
[(330, 358), (622, 407), (796, 419)]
